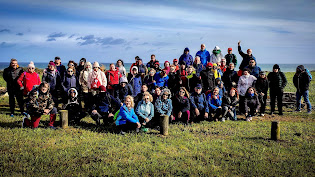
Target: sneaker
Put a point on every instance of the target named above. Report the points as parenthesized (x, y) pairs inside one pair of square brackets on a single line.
[(247, 119), (297, 110), (11, 115), (52, 127), (250, 118), (122, 132), (309, 112), (223, 119), (143, 129), (262, 115)]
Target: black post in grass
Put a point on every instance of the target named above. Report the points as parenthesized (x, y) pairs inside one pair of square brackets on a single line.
[(64, 118), (275, 130)]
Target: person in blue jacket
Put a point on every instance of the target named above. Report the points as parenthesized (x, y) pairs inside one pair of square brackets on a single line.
[(135, 80), (186, 57), (253, 68), (161, 79), (163, 105), (199, 105), (145, 111), (52, 76), (204, 55), (215, 102), (127, 118)]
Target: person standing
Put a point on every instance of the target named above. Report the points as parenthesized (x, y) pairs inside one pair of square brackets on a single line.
[(60, 67), (113, 75), (120, 66), (230, 57), (203, 54), (83, 81), (246, 57), (230, 77), (262, 86), (28, 79), (52, 77), (80, 67), (207, 78), (186, 57), (301, 81), (216, 55), (253, 68), (277, 82), (151, 63), (11, 75)]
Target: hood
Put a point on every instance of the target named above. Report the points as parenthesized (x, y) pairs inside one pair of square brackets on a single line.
[(216, 50), (186, 49), (75, 90), (301, 68), (165, 90)]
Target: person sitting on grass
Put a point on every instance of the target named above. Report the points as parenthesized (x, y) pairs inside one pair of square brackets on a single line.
[(75, 113), (127, 118), (145, 110), (199, 105), (40, 103), (229, 102), (251, 103), (104, 107), (214, 103), (181, 106)]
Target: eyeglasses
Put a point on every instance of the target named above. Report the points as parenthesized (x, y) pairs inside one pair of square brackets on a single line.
[(70, 71), (251, 62), (31, 68), (147, 98), (181, 92), (71, 64)]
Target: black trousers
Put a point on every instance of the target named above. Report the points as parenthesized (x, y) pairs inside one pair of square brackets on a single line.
[(19, 97), (276, 94), (195, 118), (262, 101)]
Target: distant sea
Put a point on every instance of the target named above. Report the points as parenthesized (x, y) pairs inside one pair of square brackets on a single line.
[(264, 67)]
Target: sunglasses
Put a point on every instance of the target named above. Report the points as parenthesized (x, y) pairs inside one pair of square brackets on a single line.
[(71, 64), (70, 71), (95, 67), (147, 98), (31, 68), (181, 92)]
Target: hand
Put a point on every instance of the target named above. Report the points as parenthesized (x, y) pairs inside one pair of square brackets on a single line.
[(219, 107), (197, 112), (206, 115), (180, 82), (246, 114), (239, 43), (147, 120), (172, 117), (138, 125), (94, 112), (110, 115), (154, 81), (22, 88), (262, 94), (46, 111), (180, 114), (231, 107), (121, 103), (214, 97), (256, 110)]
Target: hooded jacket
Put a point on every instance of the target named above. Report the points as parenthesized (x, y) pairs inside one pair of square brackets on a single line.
[(161, 81), (216, 55), (142, 110), (181, 104), (39, 101), (199, 68), (253, 70), (11, 76), (301, 80), (122, 92), (73, 104), (204, 57), (126, 115), (83, 79), (164, 107), (99, 75), (199, 101), (136, 83), (262, 85), (28, 81), (105, 103), (187, 58), (214, 103), (70, 82), (52, 77), (244, 83)]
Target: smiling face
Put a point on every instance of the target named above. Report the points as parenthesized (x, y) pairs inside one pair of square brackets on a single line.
[(119, 63), (14, 64), (252, 63), (249, 51), (71, 65), (158, 91), (112, 67), (251, 91), (70, 71), (198, 90), (44, 88), (31, 69), (51, 67), (232, 92), (144, 88), (216, 91), (231, 66), (181, 92), (166, 64), (128, 102), (147, 99)]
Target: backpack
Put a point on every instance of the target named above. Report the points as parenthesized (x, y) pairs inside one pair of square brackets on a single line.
[(309, 74), (95, 84)]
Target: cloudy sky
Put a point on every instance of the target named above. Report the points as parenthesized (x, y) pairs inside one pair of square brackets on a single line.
[(105, 31)]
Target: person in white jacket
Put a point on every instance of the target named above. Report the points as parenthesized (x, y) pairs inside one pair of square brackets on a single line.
[(216, 55), (244, 82), (96, 78)]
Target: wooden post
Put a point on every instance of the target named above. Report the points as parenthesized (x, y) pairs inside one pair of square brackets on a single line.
[(275, 130), (64, 118), (164, 121)]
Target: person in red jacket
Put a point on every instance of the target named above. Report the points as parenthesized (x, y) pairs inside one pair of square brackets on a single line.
[(113, 75), (28, 79)]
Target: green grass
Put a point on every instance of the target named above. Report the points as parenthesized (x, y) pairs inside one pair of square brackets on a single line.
[(204, 149)]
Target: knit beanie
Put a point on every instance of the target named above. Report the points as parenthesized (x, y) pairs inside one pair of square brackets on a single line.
[(31, 65), (51, 63), (276, 66), (96, 64), (123, 80)]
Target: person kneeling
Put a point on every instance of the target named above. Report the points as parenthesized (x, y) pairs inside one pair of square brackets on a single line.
[(75, 113), (199, 105), (40, 103), (127, 119), (215, 101), (229, 103), (251, 103)]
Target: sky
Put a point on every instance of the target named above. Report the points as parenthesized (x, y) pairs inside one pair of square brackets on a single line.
[(104, 31)]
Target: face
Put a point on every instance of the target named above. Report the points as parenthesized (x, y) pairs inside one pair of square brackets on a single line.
[(165, 96), (31, 69), (245, 73), (202, 47), (70, 72), (51, 67), (156, 65), (119, 63), (87, 66), (252, 63), (57, 61), (175, 62), (139, 62), (172, 69), (123, 84), (183, 66), (262, 75), (82, 63), (135, 71), (249, 51), (251, 90), (232, 92), (128, 102), (198, 90), (152, 73), (231, 66), (72, 94), (167, 64), (112, 67), (218, 64), (190, 70), (162, 73), (223, 63), (144, 88), (71, 65), (95, 68), (14, 64), (197, 59), (44, 89), (275, 70), (216, 91), (186, 52), (157, 91), (147, 99), (153, 58), (181, 92), (229, 51)]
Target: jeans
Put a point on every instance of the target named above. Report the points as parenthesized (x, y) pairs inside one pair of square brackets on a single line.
[(230, 114), (306, 100)]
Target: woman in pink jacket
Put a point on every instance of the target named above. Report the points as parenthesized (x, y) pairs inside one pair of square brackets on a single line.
[(96, 78), (28, 79)]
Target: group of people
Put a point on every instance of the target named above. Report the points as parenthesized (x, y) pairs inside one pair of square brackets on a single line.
[(205, 87)]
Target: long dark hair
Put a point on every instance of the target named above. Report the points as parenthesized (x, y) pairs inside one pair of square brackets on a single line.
[(122, 62)]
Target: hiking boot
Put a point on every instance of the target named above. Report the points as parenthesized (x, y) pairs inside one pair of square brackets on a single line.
[(122, 132)]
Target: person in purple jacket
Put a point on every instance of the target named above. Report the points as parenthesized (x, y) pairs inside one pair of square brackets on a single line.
[(186, 57)]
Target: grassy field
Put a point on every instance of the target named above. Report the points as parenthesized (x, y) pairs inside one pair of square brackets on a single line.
[(205, 149)]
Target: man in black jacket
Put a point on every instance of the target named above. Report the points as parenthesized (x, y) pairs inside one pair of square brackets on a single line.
[(301, 81), (207, 78), (277, 82), (10, 75), (230, 77)]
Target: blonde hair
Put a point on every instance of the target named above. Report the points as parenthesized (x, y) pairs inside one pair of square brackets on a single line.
[(131, 100), (147, 94)]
